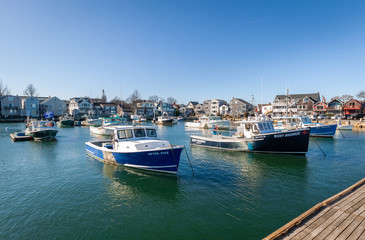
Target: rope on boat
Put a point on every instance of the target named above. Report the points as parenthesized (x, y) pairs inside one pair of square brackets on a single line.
[(187, 155), (319, 147), (341, 133), (173, 155)]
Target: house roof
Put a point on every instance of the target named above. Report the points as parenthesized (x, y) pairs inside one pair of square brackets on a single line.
[(314, 96), (241, 100), (194, 103)]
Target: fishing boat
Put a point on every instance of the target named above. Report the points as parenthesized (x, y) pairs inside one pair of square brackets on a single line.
[(91, 121), (209, 122), (41, 129), (137, 147), (66, 121), (317, 129), (106, 123), (348, 127), (164, 119), (258, 136)]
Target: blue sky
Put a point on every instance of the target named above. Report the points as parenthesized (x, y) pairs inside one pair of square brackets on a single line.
[(190, 50)]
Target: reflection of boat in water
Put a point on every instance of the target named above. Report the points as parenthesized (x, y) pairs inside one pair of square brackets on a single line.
[(137, 147), (128, 182)]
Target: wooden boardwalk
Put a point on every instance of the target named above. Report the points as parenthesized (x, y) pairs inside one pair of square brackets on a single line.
[(339, 217)]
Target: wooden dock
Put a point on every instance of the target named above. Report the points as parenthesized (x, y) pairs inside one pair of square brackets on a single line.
[(339, 217)]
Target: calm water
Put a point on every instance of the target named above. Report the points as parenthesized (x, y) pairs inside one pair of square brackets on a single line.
[(52, 190)]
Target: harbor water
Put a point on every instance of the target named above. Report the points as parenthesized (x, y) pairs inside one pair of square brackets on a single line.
[(52, 190)]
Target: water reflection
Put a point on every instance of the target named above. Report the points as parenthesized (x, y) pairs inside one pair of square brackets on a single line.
[(127, 183)]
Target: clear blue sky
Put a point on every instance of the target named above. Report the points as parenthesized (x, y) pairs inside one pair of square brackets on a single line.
[(190, 50)]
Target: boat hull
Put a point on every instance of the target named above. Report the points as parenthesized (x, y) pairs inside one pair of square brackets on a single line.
[(159, 160), (165, 122), (323, 130), (348, 127), (289, 142), (66, 123), (101, 131), (47, 134)]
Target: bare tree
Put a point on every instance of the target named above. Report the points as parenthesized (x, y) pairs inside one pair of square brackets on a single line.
[(134, 97), (154, 98), (361, 95), (4, 90), (30, 91), (347, 97), (171, 100)]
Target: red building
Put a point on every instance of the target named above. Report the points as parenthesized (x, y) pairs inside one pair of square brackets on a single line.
[(320, 108), (353, 106)]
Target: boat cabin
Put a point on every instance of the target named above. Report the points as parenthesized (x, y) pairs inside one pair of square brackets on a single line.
[(41, 124), (113, 120), (135, 138), (249, 129)]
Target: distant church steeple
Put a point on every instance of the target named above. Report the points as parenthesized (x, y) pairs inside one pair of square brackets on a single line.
[(103, 96)]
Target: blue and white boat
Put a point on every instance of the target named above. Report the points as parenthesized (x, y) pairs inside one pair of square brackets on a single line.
[(209, 122), (137, 147), (258, 136), (316, 129)]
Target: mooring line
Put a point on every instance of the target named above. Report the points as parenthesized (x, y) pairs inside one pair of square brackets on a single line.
[(319, 147), (189, 160)]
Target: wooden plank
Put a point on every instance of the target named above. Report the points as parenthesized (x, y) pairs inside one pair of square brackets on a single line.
[(351, 227), (344, 225), (359, 231), (306, 229), (336, 218)]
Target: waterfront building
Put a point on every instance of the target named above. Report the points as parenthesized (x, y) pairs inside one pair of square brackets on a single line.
[(192, 104), (224, 110), (124, 110), (309, 106), (80, 106), (287, 104), (199, 110), (146, 108), (109, 109), (265, 108), (206, 107), (334, 107), (354, 106), (215, 105), (30, 107), (166, 108), (320, 108), (238, 107), (55, 105), (10, 106), (186, 111)]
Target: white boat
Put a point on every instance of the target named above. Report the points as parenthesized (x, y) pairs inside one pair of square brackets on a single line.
[(137, 147), (344, 127), (91, 121), (106, 123), (164, 119), (209, 122)]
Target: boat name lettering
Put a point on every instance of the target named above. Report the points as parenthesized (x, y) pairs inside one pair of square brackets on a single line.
[(158, 153), (287, 135)]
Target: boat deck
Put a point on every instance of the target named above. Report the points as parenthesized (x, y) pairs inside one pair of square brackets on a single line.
[(17, 138), (339, 217)]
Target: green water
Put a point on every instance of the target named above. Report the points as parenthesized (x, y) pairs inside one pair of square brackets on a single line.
[(52, 190)]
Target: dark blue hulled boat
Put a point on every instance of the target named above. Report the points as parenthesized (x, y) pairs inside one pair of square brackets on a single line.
[(258, 136), (137, 147), (316, 129)]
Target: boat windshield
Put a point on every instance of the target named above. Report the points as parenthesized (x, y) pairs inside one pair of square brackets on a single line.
[(123, 134), (151, 132), (139, 132)]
